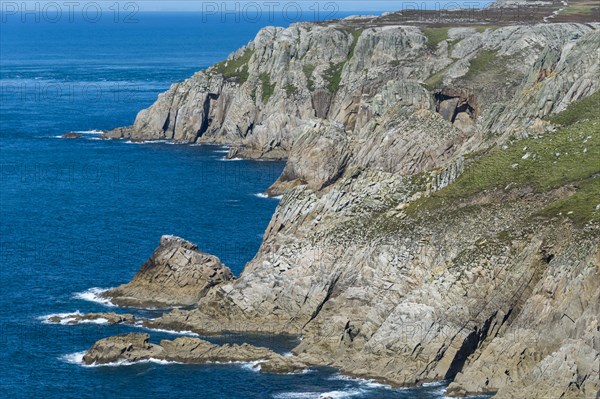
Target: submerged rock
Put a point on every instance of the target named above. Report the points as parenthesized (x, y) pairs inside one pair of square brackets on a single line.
[(98, 318), (177, 274), (71, 135)]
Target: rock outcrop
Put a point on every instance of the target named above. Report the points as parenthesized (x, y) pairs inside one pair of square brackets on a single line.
[(177, 274), (135, 347), (125, 348)]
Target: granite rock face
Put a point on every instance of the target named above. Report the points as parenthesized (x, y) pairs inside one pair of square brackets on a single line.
[(264, 96), (176, 274)]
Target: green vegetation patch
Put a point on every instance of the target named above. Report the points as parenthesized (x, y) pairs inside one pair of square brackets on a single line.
[(481, 29), (333, 76), (568, 157), (291, 90), (435, 36), (581, 207), (585, 109), (236, 68), (580, 8), (355, 34), (436, 80), (268, 88), (308, 70), (481, 63)]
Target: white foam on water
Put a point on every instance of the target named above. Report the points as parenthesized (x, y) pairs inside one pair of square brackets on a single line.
[(347, 393), (296, 395), (304, 371), (265, 196), (337, 394), (188, 333), (93, 131), (433, 384), (99, 320), (252, 366), (77, 358), (65, 319), (362, 381), (231, 159), (73, 358), (93, 295), (148, 142), (222, 151)]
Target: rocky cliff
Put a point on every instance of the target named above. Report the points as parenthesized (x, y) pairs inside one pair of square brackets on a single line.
[(440, 217)]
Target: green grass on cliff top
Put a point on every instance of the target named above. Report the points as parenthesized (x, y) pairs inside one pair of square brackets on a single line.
[(237, 68), (435, 36), (585, 109), (569, 156)]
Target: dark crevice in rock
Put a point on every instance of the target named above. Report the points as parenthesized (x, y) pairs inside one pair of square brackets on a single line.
[(166, 124), (205, 122), (327, 297), (468, 347)]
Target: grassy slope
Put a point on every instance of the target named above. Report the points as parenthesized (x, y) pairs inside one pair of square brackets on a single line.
[(237, 68), (570, 156)]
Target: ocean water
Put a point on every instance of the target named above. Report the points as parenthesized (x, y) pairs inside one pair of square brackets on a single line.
[(77, 216)]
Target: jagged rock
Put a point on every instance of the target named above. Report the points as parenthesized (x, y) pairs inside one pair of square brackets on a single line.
[(78, 318), (176, 274), (135, 347), (125, 347)]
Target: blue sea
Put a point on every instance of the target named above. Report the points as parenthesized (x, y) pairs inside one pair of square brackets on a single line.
[(81, 215)]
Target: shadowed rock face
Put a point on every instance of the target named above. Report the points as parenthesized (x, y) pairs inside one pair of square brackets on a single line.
[(176, 274), (135, 347)]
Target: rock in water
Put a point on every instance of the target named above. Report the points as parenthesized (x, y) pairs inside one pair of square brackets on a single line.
[(71, 135), (177, 274), (94, 318), (125, 347), (135, 347)]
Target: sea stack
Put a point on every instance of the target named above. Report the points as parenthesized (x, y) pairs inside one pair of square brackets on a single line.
[(177, 274)]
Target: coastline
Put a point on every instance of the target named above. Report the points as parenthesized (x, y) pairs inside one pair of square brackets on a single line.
[(381, 267)]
